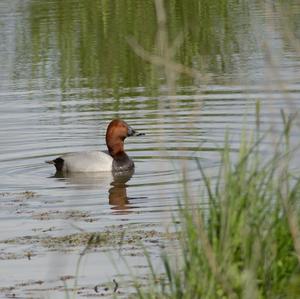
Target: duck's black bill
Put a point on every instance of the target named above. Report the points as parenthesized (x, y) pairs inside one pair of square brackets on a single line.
[(132, 132), (140, 134)]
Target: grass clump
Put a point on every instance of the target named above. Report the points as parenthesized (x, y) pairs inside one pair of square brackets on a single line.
[(245, 244)]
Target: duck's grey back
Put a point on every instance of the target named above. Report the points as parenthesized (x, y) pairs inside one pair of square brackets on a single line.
[(86, 161)]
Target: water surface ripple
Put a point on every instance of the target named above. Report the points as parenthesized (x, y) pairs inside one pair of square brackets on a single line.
[(64, 78)]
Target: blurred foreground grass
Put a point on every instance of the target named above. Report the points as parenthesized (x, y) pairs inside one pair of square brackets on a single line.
[(246, 243)]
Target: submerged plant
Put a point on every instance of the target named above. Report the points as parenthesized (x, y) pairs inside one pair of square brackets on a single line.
[(245, 244)]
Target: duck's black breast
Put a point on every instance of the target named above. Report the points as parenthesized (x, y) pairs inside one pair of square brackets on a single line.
[(122, 163)]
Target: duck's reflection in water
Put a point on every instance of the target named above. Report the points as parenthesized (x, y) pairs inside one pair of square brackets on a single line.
[(114, 183), (118, 192), (86, 180)]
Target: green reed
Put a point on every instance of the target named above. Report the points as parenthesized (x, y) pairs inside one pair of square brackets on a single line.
[(245, 244)]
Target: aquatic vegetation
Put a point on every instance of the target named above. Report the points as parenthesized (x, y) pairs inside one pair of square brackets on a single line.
[(245, 244), (116, 236)]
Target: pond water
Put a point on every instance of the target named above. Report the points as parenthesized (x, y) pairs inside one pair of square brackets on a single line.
[(67, 69)]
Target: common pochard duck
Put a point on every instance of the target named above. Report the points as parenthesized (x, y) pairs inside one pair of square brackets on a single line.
[(115, 159)]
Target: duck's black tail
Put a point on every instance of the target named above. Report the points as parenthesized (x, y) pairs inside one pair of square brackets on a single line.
[(58, 163)]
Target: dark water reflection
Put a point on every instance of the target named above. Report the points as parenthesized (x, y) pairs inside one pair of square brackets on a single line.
[(117, 190), (67, 70)]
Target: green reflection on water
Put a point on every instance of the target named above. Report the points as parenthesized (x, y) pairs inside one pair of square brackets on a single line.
[(83, 43), (89, 38)]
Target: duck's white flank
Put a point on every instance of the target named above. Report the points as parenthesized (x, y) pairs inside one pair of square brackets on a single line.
[(87, 161)]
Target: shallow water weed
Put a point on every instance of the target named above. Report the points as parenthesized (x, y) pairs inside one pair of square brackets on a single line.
[(245, 243)]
